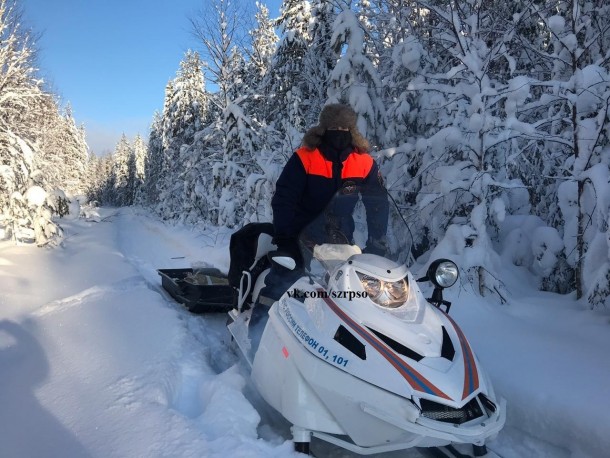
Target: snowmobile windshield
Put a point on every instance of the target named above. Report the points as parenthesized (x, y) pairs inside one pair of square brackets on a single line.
[(356, 220)]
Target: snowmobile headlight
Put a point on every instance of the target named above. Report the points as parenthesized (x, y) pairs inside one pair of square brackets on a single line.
[(443, 273), (390, 294), (371, 285)]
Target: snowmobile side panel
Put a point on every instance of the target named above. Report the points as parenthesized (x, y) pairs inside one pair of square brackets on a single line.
[(279, 381)]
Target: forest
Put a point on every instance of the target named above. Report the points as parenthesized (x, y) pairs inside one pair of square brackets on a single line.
[(490, 121)]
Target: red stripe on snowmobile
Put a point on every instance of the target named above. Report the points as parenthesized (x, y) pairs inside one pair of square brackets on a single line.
[(417, 381), (471, 374)]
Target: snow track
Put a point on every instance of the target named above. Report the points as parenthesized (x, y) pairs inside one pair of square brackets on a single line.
[(98, 361), (210, 382), (107, 365)]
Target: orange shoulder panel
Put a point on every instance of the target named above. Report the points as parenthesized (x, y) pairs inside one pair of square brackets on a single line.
[(357, 165), (314, 163)]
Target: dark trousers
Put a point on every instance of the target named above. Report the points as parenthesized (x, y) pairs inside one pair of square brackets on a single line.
[(278, 281)]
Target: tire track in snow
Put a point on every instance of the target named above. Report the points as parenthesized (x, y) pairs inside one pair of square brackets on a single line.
[(192, 383), (94, 292), (206, 383)]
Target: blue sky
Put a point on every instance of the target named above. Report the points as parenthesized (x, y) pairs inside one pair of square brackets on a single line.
[(111, 59)]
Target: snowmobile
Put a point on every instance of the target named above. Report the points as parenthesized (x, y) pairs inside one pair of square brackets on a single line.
[(354, 354)]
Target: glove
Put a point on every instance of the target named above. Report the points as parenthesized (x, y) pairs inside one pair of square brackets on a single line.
[(289, 247), (376, 246)]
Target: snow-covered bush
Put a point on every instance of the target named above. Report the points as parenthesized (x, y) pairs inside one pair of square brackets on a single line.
[(65, 206), (41, 207), (525, 240), (90, 212), (62, 203)]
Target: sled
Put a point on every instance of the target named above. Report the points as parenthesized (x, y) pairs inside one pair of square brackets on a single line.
[(203, 291)]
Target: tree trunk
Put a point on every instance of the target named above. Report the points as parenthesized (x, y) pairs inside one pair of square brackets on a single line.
[(481, 274), (580, 243)]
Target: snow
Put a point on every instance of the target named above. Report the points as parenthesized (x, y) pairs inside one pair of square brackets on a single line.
[(546, 246), (36, 196), (589, 81), (567, 200), (97, 360), (556, 24), (408, 54)]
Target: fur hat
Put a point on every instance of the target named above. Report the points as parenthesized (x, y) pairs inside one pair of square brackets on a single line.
[(332, 117)]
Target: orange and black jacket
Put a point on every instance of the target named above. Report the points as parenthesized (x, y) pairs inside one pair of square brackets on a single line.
[(310, 180)]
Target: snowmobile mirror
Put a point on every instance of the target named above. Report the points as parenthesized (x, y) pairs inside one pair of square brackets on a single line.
[(285, 261)]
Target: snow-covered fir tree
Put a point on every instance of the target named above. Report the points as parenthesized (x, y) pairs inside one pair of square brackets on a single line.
[(153, 165), (264, 41), (185, 111), (285, 80), (410, 114), (124, 172), (401, 58), (101, 182), (140, 152), (491, 116), (63, 152), (24, 202), (355, 80), (319, 59), (169, 120), (165, 186), (190, 100), (254, 109)]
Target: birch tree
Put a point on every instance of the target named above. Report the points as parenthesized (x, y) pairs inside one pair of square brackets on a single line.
[(575, 98)]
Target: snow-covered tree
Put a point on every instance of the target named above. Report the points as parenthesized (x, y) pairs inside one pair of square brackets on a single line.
[(41, 208), (63, 152), (169, 120), (190, 100), (285, 80), (168, 162), (22, 102), (355, 79), (220, 31), (319, 59), (463, 162), (153, 165), (572, 52), (219, 28), (124, 172), (101, 180), (140, 152), (264, 42), (186, 111)]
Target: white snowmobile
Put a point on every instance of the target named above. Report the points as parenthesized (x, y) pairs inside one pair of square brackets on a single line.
[(355, 355)]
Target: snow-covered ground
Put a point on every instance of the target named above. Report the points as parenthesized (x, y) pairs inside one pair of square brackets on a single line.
[(97, 360)]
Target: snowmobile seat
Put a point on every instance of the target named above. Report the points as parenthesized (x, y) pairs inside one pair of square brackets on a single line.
[(248, 249)]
